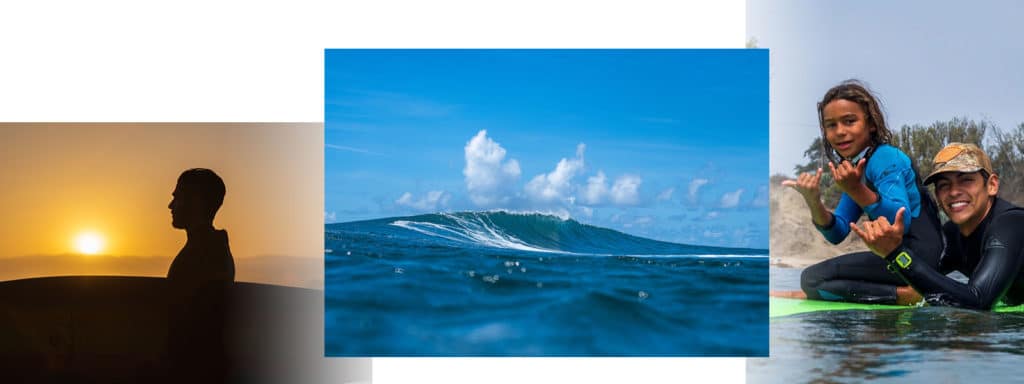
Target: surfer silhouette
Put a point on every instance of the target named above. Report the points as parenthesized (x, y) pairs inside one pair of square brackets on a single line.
[(206, 256), (198, 279)]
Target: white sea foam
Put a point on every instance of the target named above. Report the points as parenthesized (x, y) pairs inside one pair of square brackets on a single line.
[(478, 230)]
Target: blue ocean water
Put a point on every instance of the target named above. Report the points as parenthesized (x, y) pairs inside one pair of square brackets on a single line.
[(517, 284), (914, 345)]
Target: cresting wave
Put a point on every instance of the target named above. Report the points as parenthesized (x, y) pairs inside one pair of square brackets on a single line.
[(535, 232)]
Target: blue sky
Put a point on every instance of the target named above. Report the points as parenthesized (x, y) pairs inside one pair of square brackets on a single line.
[(927, 60), (665, 144)]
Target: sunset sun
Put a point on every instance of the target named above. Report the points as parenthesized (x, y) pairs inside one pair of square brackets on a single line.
[(89, 243)]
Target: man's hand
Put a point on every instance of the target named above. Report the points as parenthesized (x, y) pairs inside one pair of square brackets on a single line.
[(847, 176), (880, 236), (808, 185)]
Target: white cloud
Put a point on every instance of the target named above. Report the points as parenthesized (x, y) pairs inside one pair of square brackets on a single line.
[(731, 199), (695, 185), (489, 178), (712, 215), (430, 202), (330, 217), (596, 189), (557, 185), (626, 190), (666, 194)]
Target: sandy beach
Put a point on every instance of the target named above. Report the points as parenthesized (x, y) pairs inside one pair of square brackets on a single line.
[(794, 241)]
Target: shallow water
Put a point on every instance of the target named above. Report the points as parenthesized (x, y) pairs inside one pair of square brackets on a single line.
[(919, 345), (436, 286)]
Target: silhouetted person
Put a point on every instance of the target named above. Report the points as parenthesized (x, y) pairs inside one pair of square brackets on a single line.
[(198, 281), (206, 256)]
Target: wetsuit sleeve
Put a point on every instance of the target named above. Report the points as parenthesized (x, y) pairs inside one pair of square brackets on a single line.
[(950, 258), (845, 212), (890, 174), (1001, 260)]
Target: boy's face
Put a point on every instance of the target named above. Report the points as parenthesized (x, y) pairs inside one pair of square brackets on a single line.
[(846, 127)]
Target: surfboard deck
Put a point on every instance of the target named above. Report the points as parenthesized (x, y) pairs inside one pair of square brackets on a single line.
[(783, 306)]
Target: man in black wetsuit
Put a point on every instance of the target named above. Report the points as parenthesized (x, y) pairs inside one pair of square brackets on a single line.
[(198, 282), (984, 236)]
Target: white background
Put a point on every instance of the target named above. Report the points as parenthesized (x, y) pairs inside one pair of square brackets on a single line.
[(263, 61)]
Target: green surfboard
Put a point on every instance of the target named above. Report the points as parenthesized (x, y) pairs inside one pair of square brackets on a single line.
[(781, 306)]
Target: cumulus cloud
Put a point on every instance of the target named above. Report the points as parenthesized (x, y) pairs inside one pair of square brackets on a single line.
[(430, 202), (626, 190), (694, 192), (731, 199), (330, 217), (665, 195), (712, 215), (489, 177), (557, 185), (595, 190)]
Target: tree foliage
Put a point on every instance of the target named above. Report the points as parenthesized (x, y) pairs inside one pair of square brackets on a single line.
[(921, 143), (1006, 150)]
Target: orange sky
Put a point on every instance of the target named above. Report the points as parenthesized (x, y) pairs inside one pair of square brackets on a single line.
[(116, 179)]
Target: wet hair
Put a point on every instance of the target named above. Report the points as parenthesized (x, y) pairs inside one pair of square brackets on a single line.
[(205, 184), (855, 91)]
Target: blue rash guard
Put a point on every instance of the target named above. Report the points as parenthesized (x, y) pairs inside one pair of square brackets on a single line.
[(862, 276), (888, 174)]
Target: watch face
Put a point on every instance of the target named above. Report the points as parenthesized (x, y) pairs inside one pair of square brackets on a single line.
[(903, 259)]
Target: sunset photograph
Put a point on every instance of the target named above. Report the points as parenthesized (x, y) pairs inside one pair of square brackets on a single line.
[(92, 199), (140, 252)]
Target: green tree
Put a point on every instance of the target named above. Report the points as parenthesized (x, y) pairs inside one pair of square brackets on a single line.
[(1006, 150), (921, 143)]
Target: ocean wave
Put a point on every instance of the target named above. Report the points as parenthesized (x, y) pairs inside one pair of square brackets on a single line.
[(527, 231)]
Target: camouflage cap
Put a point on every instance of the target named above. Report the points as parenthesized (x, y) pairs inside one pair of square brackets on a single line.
[(959, 157)]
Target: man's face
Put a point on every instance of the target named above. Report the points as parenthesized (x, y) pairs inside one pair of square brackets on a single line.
[(965, 197), (185, 208)]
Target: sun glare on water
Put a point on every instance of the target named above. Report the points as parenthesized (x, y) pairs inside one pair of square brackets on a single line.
[(89, 243)]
